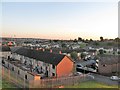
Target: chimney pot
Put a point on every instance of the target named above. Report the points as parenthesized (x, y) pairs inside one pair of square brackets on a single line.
[(50, 50), (37, 49)]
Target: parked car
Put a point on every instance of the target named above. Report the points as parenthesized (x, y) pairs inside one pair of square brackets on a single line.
[(114, 78), (78, 73), (90, 75)]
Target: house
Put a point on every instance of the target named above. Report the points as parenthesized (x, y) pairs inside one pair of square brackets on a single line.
[(74, 46), (15, 67), (5, 52), (55, 46), (49, 64), (109, 64), (108, 50), (92, 51), (89, 66)]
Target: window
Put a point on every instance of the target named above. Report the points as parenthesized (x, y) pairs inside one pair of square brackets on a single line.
[(53, 74), (3, 62), (53, 66), (12, 68), (8, 57), (46, 68), (104, 65), (18, 72), (41, 70), (26, 77)]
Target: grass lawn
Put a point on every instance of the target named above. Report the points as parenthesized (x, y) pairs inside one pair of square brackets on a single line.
[(91, 84), (6, 84), (82, 45)]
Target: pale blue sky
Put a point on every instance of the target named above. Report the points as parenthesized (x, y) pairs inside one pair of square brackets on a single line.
[(60, 20)]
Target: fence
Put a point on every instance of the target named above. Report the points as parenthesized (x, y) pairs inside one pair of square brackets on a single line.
[(43, 83), (64, 81), (12, 77)]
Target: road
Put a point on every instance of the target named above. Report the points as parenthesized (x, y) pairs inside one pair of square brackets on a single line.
[(104, 79)]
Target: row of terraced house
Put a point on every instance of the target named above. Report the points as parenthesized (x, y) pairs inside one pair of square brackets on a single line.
[(34, 64)]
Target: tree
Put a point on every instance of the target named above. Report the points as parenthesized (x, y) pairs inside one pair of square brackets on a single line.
[(117, 39), (75, 40), (104, 51), (101, 38), (118, 52), (37, 42), (91, 40), (83, 55), (63, 45), (79, 39), (86, 41), (50, 41), (74, 55), (96, 43), (110, 43), (101, 51), (55, 40)]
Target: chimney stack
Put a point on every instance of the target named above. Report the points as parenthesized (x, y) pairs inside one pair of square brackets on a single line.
[(50, 50), (43, 49), (60, 52), (37, 49)]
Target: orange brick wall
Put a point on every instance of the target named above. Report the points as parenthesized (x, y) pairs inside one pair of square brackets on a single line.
[(65, 67)]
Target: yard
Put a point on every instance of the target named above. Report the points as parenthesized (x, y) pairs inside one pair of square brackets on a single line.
[(91, 84)]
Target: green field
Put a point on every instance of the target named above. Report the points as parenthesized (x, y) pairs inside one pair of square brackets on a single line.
[(91, 84)]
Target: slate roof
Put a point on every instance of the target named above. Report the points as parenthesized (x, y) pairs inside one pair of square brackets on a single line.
[(66, 51), (84, 63), (109, 59), (46, 57), (13, 49), (5, 49)]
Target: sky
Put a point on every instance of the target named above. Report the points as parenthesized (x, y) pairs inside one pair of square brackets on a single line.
[(60, 20)]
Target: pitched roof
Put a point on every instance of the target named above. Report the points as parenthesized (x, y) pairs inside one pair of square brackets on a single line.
[(5, 49), (13, 49), (84, 63), (109, 59), (55, 50), (46, 57)]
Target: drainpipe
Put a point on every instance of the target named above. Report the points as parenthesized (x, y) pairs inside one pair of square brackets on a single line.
[(56, 71)]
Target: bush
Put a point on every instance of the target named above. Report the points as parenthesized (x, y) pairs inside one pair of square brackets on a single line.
[(104, 51), (83, 55), (118, 52), (74, 55)]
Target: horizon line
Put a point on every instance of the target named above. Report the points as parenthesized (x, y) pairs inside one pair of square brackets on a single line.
[(55, 39)]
